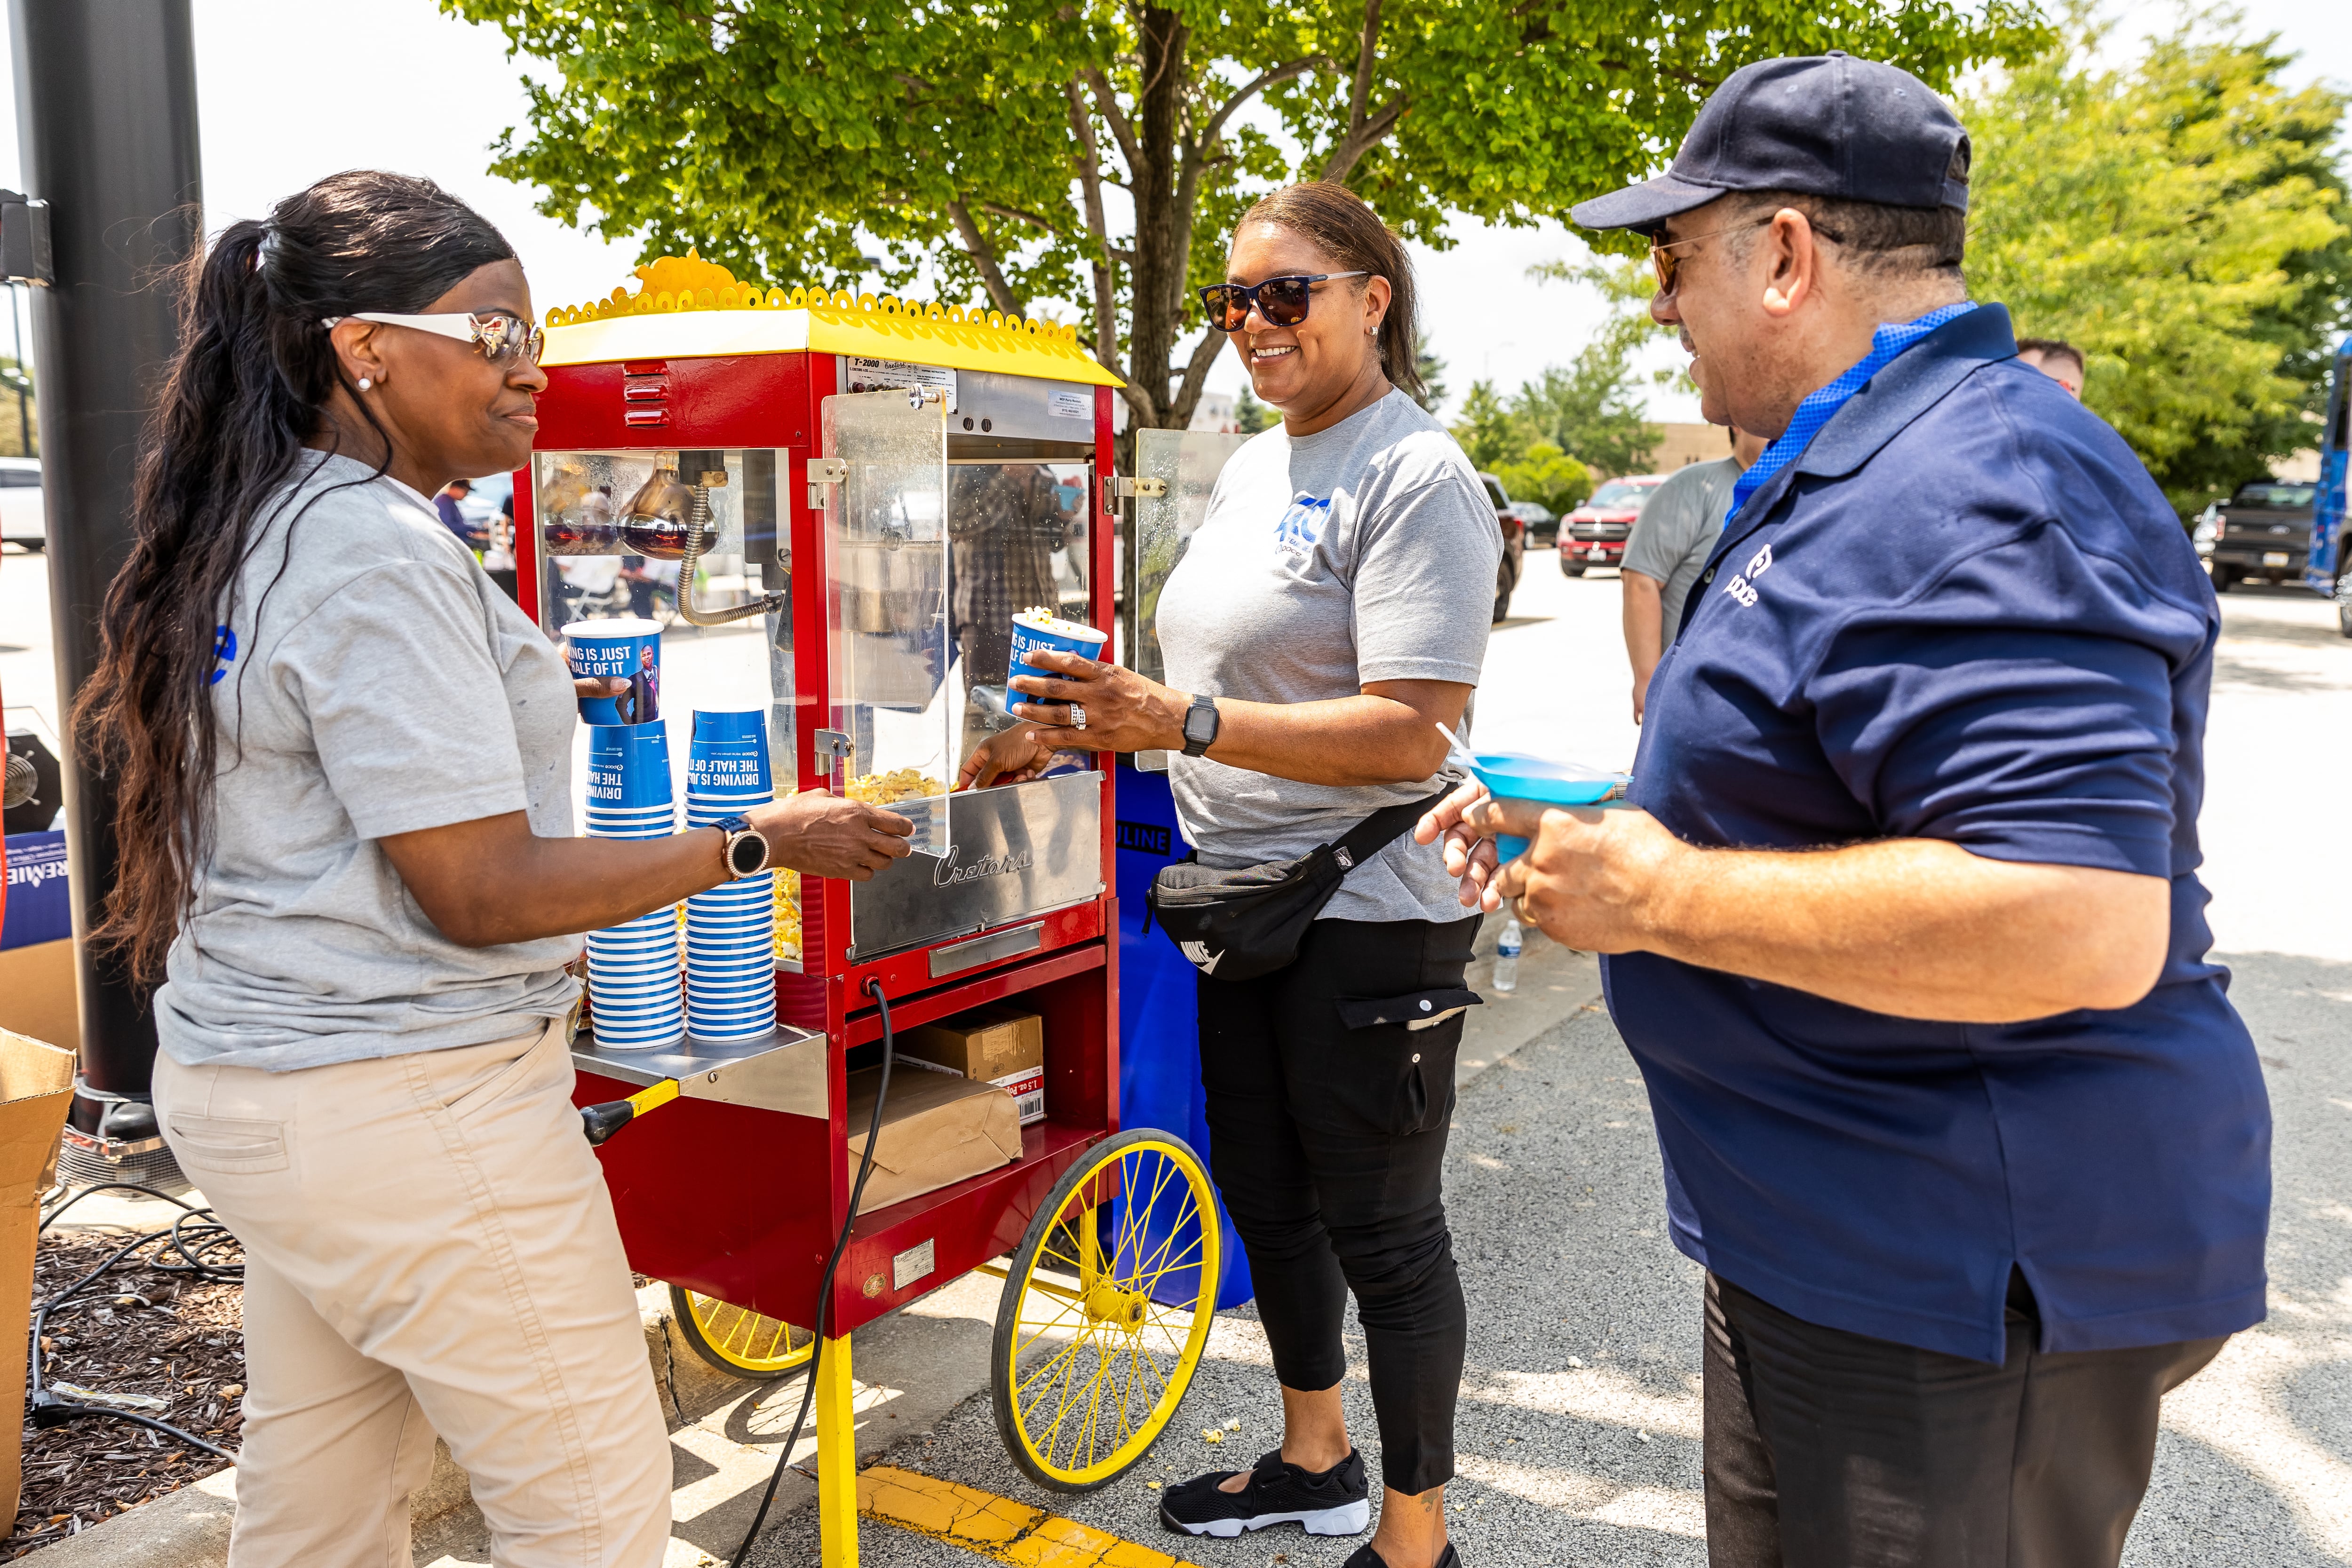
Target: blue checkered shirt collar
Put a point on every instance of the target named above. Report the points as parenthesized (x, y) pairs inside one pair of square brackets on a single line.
[(1890, 340)]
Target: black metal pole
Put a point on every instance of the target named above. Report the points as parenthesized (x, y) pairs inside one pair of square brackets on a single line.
[(105, 112)]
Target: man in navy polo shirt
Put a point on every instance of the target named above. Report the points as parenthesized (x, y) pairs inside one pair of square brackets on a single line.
[(1905, 933)]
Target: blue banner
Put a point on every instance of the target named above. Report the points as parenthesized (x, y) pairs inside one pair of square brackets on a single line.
[(40, 909)]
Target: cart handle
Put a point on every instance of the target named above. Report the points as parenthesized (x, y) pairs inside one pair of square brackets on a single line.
[(601, 1121)]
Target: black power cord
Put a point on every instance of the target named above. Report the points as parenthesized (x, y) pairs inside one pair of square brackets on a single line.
[(191, 1242), (825, 1288)]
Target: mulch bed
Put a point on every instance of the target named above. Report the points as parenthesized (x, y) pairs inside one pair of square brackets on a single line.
[(177, 1336)]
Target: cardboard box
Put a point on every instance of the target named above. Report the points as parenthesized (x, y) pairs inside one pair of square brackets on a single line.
[(39, 992), (936, 1131), (36, 1087), (1001, 1044)]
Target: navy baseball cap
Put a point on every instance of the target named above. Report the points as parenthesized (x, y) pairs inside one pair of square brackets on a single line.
[(1827, 125)]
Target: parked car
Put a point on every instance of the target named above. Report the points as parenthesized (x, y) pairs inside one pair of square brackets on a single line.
[(1540, 522), (24, 518), (2263, 532), (1515, 545), (1595, 533), (2201, 535)]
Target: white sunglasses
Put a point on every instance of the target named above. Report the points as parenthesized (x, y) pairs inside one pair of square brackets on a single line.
[(495, 333)]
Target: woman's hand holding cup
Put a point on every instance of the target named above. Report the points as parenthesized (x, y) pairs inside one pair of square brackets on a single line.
[(1123, 711)]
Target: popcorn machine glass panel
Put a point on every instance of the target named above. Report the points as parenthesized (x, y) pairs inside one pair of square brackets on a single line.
[(896, 683), (1188, 463), (611, 535)]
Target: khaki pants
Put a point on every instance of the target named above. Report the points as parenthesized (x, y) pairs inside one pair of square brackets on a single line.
[(429, 1249)]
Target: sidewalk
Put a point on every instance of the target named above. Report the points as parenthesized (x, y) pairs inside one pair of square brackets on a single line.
[(915, 1370)]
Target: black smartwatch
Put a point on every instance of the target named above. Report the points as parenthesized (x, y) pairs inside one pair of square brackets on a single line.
[(745, 849), (1201, 723)]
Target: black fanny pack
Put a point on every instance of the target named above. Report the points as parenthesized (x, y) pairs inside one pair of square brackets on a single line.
[(1239, 925)]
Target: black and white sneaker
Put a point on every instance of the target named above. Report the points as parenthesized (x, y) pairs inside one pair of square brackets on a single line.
[(1365, 1557), (1336, 1502)]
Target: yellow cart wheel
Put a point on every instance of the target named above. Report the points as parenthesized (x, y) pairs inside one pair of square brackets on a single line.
[(737, 1340), (1107, 1308)]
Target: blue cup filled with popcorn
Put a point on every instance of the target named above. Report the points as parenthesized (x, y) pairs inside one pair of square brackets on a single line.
[(1036, 629)]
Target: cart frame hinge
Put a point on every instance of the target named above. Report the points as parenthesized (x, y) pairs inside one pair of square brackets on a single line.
[(829, 746), (1127, 485), (823, 473)]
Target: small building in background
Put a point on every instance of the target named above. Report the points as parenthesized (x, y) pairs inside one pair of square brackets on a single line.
[(1681, 444), (1215, 411)]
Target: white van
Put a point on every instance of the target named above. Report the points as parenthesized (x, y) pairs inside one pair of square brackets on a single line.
[(23, 520)]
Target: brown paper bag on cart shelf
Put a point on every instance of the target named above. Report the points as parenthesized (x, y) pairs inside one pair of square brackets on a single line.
[(36, 1087), (936, 1131)]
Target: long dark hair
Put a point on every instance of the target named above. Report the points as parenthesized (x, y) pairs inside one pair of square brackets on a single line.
[(249, 387), (1353, 235)]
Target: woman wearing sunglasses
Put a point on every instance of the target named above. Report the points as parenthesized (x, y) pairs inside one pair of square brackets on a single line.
[(344, 766), (1330, 611)]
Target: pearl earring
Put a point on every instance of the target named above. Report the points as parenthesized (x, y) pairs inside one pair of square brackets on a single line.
[(365, 383)]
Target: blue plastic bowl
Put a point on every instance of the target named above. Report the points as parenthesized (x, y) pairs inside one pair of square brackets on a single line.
[(1515, 776)]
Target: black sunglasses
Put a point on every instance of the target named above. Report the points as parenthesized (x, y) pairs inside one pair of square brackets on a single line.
[(1281, 300)]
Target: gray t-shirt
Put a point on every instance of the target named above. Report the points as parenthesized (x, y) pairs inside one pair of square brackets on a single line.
[(371, 681), (1676, 531), (1365, 552)]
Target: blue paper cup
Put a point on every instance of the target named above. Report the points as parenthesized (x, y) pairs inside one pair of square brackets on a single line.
[(1515, 776), (625, 646), (734, 1004), (634, 968), (728, 969), (731, 727), (628, 768), (706, 925), (1033, 629)]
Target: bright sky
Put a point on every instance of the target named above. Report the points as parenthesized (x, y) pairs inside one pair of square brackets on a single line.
[(293, 90)]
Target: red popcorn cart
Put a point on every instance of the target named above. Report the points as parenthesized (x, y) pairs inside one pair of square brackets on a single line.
[(823, 512)]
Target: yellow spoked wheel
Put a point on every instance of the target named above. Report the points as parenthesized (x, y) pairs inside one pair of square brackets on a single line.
[(737, 1340), (1107, 1308)]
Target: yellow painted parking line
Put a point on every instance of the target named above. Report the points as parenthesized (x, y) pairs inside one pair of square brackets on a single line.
[(996, 1526)]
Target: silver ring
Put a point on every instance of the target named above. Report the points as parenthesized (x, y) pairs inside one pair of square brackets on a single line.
[(1077, 716)]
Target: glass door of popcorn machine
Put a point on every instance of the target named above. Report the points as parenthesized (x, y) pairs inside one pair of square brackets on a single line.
[(924, 575)]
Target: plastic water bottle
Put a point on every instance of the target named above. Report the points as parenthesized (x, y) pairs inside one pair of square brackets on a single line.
[(1506, 955)]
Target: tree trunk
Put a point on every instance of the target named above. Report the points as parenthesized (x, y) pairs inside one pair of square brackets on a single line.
[(1154, 302)]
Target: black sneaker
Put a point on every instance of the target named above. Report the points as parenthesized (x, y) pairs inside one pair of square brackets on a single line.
[(1336, 1502), (1365, 1557)]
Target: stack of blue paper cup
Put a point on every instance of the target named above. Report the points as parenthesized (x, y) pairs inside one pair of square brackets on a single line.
[(633, 991), (730, 931)]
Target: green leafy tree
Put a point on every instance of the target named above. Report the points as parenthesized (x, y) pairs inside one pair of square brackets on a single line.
[(980, 145), (1433, 377), (2183, 222), (1251, 414), (1544, 473), (1592, 407), (1487, 431)]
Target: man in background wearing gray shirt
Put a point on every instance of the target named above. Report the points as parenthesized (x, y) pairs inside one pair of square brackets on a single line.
[(1669, 546)]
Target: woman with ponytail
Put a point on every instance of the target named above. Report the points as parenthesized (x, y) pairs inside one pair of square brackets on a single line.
[(343, 761)]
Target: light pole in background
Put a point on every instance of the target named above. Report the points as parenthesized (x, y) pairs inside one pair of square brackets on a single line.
[(106, 111)]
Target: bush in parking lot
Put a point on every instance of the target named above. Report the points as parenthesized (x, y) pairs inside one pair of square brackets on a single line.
[(1546, 475)]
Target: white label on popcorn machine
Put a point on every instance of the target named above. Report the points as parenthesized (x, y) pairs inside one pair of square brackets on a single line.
[(1063, 402)]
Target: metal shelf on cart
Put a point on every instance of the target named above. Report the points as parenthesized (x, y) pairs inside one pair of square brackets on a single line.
[(783, 1070)]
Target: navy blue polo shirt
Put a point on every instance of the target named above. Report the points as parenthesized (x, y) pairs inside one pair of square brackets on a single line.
[(1965, 613)]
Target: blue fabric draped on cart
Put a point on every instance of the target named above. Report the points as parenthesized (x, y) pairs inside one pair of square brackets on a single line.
[(1159, 1043)]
